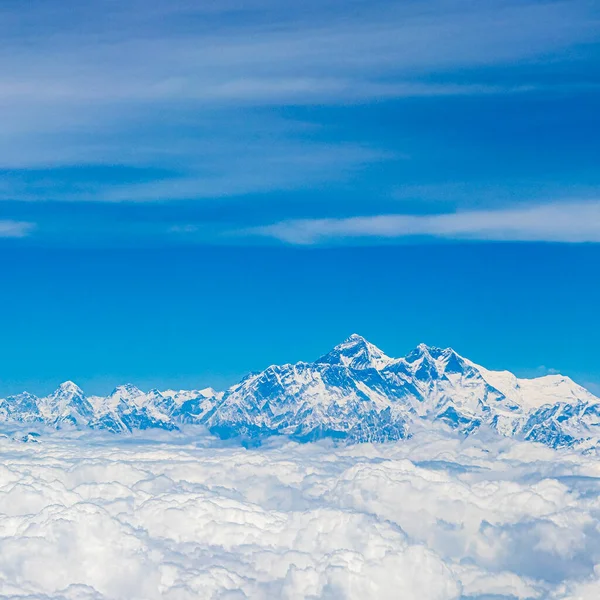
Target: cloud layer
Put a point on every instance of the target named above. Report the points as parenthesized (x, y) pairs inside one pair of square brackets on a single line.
[(183, 517)]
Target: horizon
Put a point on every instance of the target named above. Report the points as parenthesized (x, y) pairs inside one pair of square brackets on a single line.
[(352, 337), (205, 316)]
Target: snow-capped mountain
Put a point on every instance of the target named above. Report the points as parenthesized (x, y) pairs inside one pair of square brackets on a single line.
[(353, 392), (67, 404)]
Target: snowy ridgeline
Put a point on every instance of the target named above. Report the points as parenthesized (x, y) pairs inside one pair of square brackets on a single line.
[(355, 392)]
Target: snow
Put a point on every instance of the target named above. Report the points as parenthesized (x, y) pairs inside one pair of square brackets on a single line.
[(538, 391), (356, 352), (180, 396), (355, 392)]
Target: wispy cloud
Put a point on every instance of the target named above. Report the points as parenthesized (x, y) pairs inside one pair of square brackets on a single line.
[(214, 167), (130, 83), (273, 56), (552, 222), (15, 229)]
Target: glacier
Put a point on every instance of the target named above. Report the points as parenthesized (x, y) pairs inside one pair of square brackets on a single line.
[(354, 393)]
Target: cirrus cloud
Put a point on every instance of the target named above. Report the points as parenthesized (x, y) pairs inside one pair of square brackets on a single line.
[(15, 229), (552, 222)]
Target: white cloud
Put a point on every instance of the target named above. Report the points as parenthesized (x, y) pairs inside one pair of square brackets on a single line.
[(275, 54), (181, 517), (553, 222), (126, 84), (15, 229)]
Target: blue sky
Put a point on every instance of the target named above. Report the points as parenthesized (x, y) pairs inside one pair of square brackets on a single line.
[(221, 185)]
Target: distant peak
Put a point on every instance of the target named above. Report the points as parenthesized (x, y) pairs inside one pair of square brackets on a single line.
[(209, 392), (431, 359), (24, 394), (128, 390), (355, 352), (68, 387), (355, 338), (433, 351)]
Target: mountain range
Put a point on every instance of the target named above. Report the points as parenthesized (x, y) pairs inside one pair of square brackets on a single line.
[(355, 392)]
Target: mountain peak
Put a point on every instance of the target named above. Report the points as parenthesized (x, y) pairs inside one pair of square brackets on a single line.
[(126, 391), (429, 361), (355, 352), (355, 337), (68, 387), (433, 352), (67, 404), (354, 392)]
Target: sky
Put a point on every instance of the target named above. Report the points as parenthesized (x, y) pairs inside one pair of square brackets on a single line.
[(193, 190)]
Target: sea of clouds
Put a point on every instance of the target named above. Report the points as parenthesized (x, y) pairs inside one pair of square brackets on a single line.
[(182, 516)]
